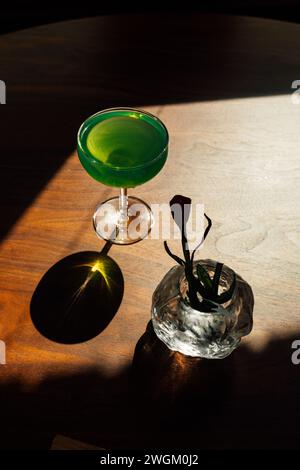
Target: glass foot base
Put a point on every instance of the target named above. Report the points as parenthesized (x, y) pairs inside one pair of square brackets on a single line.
[(120, 228)]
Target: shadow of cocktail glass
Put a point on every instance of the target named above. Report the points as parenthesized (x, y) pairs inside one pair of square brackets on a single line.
[(77, 297)]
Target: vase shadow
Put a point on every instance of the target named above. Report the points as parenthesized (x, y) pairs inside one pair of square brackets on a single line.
[(77, 297), (250, 400), (243, 401), (178, 384)]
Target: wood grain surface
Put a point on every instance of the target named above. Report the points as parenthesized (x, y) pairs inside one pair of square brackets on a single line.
[(222, 86)]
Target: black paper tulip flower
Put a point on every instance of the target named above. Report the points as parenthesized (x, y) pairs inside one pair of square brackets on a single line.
[(203, 290)]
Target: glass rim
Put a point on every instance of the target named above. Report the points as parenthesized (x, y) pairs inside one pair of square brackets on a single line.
[(89, 156)]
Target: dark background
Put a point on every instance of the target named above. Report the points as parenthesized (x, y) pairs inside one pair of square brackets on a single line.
[(16, 15)]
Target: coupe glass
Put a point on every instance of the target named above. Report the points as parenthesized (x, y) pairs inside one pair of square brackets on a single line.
[(123, 147)]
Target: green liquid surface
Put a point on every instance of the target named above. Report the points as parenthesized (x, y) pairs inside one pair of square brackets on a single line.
[(123, 148), (124, 142)]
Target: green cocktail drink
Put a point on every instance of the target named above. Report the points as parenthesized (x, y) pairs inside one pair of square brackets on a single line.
[(122, 147)]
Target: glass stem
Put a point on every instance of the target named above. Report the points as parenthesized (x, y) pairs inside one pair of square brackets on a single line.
[(123, 211)]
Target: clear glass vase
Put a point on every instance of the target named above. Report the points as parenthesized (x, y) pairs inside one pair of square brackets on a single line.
[(212, 335)]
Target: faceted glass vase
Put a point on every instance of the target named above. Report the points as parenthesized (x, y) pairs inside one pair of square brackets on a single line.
[(212, 335)]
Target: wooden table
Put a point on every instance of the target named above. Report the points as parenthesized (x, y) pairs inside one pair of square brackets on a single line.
[(222, 85)]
